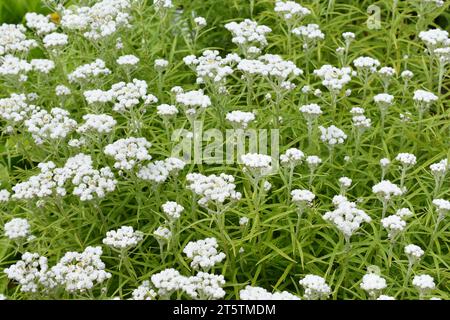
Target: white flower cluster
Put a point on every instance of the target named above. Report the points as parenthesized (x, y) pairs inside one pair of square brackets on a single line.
[(302, 197), (434, 38), (78, 272), (192, 100), (442, 207), (123, 238), (440, 168), (256, 164), (258, 293), (213, 189), (240, 119), (17, 229), (55, 41), (88, 72), (315, 287), (394, 224), (292, 157), (52, 125), (127, 60), (386, 190), (205, 286), (40, 23), (359, 120), (424, 283), (249, 36), (424, 99), (373, 284), (4, 195), (332, 135), (40, 185), (42, 65), (203, 253), (309, 34), (98, 22), (162, 233), (31, 272), (159, 171), (291, 11), (404, 213), (128, 95), (200, 22), (334, 79), (366, 64), (128, 152), (346, 217), (167, 281), (14, 40), (406, 159), (414, 253), (144, 292), (166, 110), (311, 111), (11, 66), (172, 209), (383, 101), (211, 68), (100, 123), (15, 108)]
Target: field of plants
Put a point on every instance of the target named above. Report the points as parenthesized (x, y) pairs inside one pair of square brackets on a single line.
[(224, 149)]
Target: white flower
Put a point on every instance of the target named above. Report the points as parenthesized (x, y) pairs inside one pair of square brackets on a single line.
[(248, 35), (347, 218), (160, 64), (366, 64), (62, 90), (88, 72), (128, 152), (385, 297), (373, 284), (172, 210), (386, 190), (414, 253), (406, 159), (334, 79), (167, 281), (155, 172), (310, 34), (315, 287), (404, 213), (52, 125), (13, 39), (17, 228), (424, 283), (200, 22), (204, 286), (127, 60), (345, 182), (332, 135), (240, 119), (101, 123), (42, 65), (434, 38), (423, 100), (55, 40), (291, 11), (311, 111), (292, 157), (78, 272), (302, 197), (383, 101), (40, 23), (166, 110), (258, 293), (257, 164), (162, 233), (31, 272), (203, 253), (4, 195), (144, 292), (243, 221), (123, 238), (394, 224)]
